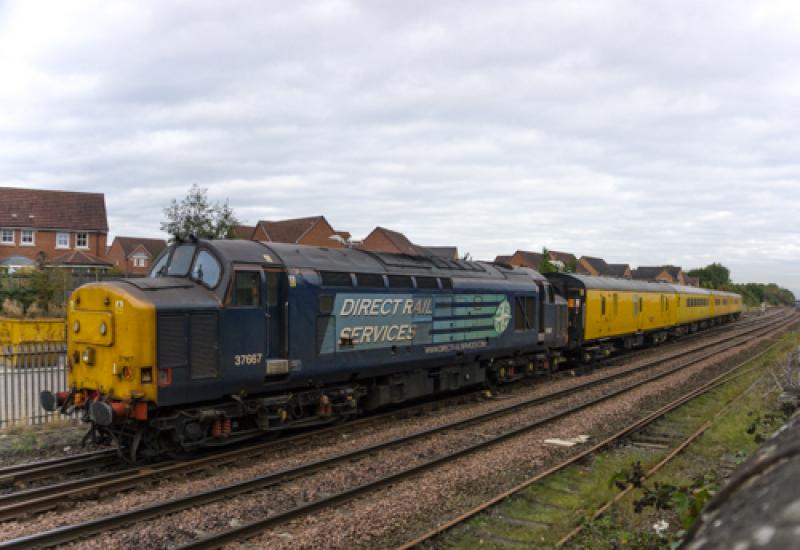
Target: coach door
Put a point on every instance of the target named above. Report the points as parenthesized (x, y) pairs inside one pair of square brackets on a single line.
[(245, 326)]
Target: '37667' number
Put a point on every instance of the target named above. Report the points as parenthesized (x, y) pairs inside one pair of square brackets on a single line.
[(247, 359)]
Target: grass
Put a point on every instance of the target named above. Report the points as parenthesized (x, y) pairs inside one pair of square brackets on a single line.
[(540, 515), (21, 439)]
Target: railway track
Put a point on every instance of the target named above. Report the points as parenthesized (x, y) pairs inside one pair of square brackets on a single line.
[(31, 471), (120, 479), (74, 532), (627, 432), (44, 498)]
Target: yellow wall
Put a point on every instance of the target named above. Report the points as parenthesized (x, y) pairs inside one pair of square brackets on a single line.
[(26, 331)]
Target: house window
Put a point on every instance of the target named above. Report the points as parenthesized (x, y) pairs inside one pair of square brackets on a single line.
[(7, 236), (27, 238), (81, 240), (62, 240), (139, 261)]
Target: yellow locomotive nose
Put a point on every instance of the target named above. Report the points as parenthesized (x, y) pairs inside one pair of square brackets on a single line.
[(111, 344)]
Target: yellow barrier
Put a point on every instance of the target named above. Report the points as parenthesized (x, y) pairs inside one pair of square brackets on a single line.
[(27, 331)]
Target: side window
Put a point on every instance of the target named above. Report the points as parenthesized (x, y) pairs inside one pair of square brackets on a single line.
[(603, 305), (246, 290)]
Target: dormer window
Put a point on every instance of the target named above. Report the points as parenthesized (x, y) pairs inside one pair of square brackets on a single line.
[(28, 237)]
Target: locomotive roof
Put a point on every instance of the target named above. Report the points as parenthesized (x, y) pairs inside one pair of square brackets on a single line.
[(362, 261)]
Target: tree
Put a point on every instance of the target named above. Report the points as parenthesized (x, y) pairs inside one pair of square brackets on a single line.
[(714, 275), (196, 216), (545, 265)]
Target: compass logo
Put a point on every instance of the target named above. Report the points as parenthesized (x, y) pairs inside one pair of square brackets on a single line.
[(502, 317)]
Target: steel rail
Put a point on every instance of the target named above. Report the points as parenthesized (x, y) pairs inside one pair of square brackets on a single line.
[(31, 471), (251, 529), (46, 468), (44, 498), (677, 449), (722, 379)]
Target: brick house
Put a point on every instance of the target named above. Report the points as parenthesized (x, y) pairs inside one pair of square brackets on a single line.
[(449, 252), (562, 260), (598, 267), (665, 273), (243, 231), (134, 255), (522, 258), (382, 239), (36, 223), (314, 231)]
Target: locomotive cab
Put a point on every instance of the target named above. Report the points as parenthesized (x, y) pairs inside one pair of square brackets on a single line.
[(138, 349)]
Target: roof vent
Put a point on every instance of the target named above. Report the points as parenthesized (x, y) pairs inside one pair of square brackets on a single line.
[(13, 214)]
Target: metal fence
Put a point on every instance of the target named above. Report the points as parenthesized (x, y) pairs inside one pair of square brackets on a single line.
[(26, 370)]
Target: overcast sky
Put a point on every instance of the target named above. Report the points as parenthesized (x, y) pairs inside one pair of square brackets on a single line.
[(640, 132)]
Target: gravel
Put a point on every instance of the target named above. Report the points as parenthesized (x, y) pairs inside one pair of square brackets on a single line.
[(386, 513)]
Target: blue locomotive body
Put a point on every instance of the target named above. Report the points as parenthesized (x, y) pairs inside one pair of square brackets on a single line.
[(252, 337)]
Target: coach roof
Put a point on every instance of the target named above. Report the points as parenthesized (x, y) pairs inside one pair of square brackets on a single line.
[(611, 283)]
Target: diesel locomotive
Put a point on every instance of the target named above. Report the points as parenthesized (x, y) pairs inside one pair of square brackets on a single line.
[(230, 339)]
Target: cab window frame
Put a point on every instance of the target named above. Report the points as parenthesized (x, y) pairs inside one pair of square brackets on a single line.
[(175, 250), (220, 273), (233, 298)]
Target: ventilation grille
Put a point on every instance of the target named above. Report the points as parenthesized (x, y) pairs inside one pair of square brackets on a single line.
[(189, 340), (203, 351), (172, 345)]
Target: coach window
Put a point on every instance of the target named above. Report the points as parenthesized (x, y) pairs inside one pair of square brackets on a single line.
[(246, 292)]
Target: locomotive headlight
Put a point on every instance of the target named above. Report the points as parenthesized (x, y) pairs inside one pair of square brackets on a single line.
[(87, 357), (103, 328), (76, 326)]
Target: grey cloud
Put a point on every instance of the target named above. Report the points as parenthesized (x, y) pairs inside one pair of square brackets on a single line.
[(641, 132)]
